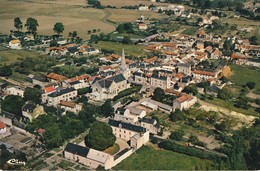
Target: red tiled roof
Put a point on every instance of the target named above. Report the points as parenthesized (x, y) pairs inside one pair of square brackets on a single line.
[(81, 77), (49, 89), (200, 72), (179, 75), (2, 125), (151, 59), (41, 131), (56, 77), (239, 56), (184, 98)]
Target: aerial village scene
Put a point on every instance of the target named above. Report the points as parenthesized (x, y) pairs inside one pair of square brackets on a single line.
[(129, 85)]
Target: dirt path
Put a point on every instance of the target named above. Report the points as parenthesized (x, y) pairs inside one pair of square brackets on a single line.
[(106, 17), (246, 119), (253, 95)]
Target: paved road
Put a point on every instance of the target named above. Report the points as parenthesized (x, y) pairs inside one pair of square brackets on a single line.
[(24, 84)]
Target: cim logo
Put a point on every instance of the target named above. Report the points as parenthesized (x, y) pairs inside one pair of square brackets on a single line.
[(15, 162)]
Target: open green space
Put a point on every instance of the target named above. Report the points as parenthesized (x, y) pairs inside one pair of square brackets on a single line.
[(11, 56), (133, 50), (112, 150), (242, 74), (148, 158), (64, 164), (230, 105)]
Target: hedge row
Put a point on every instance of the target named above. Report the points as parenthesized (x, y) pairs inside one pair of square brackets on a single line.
[(191, 151), (127, 92)]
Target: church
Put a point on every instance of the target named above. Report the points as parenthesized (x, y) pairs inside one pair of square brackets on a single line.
[(108, 88)]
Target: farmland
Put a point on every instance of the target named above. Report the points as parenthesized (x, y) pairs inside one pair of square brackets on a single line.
[(11, 56), (149, 158), (72, 14), (117, 48)]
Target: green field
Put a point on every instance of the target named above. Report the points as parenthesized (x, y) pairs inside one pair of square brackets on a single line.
[(148, 158), (242, 74), (133, 50), (10, 56)]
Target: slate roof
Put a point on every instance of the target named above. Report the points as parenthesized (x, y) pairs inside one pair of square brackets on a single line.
[(126, 126), (61, 92), (77, 149), (148, 120), (155, 76), (29, 107), (106, 83)]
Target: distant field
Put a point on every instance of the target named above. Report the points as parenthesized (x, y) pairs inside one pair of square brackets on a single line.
[(241, 75), (11, 56), (134, 50), (47, 12), (125, 15), (241, 22), (148, 158), (71, 13), (120, 3)]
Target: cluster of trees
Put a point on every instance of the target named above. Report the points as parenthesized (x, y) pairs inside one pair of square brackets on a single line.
[(100, 136), (60, 128), (220, 4), (39, 64), (94, 3), (160, 96), (125, 28), (5, 71), (127, 92), (31, 24), (5, 155), (242, 149)]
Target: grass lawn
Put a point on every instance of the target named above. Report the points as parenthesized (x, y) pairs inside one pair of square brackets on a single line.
[(11, 56), (147, 158), (65, 164), (112, 150), (230, 106), (41, 166), (133, 50), (242, 74), (190, 31)]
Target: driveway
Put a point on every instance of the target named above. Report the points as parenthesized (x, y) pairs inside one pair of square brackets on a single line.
[(122, 144)]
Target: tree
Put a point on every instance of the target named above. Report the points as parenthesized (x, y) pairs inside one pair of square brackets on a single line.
[(58, 28), (158, 94), (224, 94), (126, 40), (177, 135), (177, 116), (18, 23), (253, 40), (31, 25), (32, 94), (13, 104), (74, 34), (193, 139), (250, 85), (192, 88), (94, 38), (5, 71), (107, 109), (100, 136)]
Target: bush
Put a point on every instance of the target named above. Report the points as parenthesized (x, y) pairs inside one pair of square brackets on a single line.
[(127, 92), (177, 135), (84, 90), (250, 85), (191, 151)]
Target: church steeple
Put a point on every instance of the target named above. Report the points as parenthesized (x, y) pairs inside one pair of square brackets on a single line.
[(123, 63)]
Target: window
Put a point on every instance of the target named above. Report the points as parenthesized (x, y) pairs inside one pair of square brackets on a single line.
[(124, 131)]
